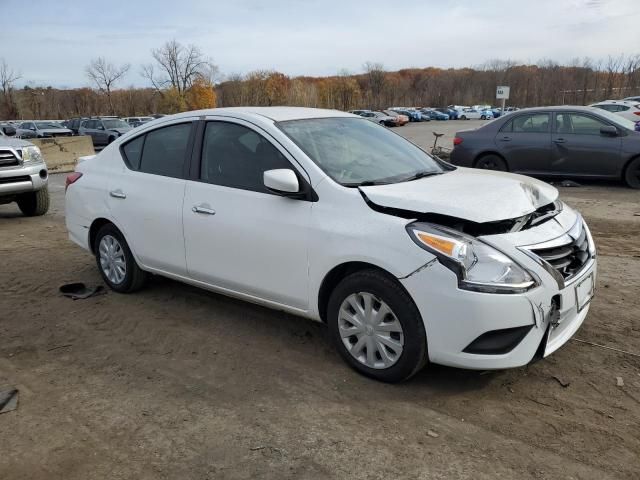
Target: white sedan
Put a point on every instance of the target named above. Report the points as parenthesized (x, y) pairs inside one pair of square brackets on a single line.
[(326, 215), (469, 114)]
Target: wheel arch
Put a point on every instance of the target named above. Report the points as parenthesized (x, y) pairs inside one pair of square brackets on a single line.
[(95, 227), (623, 170), (335, 276)]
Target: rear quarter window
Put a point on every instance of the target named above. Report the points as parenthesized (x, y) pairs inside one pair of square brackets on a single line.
[(133, 152)]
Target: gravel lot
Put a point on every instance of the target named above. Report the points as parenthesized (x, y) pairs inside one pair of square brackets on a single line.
[(175, 382)]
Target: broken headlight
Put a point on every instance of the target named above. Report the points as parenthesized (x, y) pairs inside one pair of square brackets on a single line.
[(479, 267)]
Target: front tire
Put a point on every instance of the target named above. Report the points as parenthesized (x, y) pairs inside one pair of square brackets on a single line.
[(463, 117), (376, 327), (34, 204), (632, 173), (115, 261)]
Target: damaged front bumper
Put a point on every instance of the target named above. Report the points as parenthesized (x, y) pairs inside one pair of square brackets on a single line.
[(478, 330)]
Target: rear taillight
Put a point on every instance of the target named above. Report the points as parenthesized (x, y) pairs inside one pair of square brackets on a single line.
[(71, 179), (637, 113), (457, 141)]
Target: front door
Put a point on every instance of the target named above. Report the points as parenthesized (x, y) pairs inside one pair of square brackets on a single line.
[(579, 149), (238, 235)]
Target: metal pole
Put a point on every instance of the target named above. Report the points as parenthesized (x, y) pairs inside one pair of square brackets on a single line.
[(504, 101)]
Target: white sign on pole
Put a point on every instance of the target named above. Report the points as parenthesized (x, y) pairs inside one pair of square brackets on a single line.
[(502, 92)]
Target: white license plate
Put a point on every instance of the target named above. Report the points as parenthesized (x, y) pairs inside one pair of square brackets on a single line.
[(584, 291)]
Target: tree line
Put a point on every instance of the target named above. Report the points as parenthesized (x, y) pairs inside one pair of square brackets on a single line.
[(182, 78)]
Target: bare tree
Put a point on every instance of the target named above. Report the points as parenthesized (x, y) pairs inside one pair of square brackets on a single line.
[(376, 77), (178, 66), (105, 75), (8, 76)]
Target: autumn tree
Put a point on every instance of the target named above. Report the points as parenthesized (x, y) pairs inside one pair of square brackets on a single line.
[(105, 75), (200, 95)]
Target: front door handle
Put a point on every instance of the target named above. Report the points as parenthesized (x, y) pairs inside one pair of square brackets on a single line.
[(117, 194), (560, 140), (505, 139), (202, 209)]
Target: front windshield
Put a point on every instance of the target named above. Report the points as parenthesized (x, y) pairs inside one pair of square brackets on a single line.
[(617, 119), (355, 151), (42, 125), (116, 123)]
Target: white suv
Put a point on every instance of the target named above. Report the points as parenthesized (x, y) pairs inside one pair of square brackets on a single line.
[(625, 108), (326, 215)]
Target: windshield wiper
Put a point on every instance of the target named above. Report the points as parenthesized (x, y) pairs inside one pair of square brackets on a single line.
[(366, 183), (422, 174)]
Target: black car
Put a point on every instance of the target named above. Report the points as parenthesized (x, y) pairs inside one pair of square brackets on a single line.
[(103, 130), (581, 142)]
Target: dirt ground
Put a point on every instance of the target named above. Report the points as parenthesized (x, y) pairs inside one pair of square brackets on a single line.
[(179, 383)]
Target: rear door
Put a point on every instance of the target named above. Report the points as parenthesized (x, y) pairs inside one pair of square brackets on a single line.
[(579, 149), (525, 142), (147, 193)]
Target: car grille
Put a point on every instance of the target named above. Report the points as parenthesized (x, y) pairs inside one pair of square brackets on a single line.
[(568, 259), (8, 158), (21, 178)]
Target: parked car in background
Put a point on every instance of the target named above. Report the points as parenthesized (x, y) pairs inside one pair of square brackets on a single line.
[(632, 99), (486, 114), (469, 113), (8, 129), (453, 114), (580, 142), (413, 115), (23, 176), (400, 118), (73, 124), (104, 130), (625, 108), (497, 112), (137, 121), (377, 117), (451, 273), (434, 114), (42, 129)]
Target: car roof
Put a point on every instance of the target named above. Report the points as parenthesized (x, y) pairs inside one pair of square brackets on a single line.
[(615, 102), (572, 108), (277, 114)]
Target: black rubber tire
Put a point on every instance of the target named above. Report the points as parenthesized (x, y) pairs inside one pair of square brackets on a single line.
[(632, 174), (34, 204), (491, 161), (135, 278), (414, 355), (463, 117)]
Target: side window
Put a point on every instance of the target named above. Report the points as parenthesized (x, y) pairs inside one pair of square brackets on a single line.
[(236, 156), (88, 124), (507, 127), (133, 152), (165, 150), (534, 123), (578, 124)]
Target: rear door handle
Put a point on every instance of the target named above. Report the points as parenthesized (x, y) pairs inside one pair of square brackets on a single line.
[(560, 140), (505, 139), (117, 194), (202, 209)]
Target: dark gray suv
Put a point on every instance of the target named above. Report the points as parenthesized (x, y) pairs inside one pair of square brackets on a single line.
[(103, 130), (581, 142)]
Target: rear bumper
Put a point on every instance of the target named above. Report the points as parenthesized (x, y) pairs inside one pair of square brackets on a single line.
[(23, 179)]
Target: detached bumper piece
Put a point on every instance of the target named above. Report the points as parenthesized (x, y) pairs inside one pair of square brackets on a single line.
[(498, 342)]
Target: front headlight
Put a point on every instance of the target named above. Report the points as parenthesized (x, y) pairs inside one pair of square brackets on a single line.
[(479, 267), (32, 154)]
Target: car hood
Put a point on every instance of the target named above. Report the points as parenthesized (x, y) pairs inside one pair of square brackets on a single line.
[(476, 195), (121, 131), (13, 142)]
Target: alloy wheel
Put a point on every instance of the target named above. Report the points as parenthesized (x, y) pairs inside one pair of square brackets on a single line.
[(112, 259), (370, 331)]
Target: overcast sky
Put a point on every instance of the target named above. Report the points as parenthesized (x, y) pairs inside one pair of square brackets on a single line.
[(49, 42)]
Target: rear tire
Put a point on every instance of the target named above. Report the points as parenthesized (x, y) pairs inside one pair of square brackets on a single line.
[(34, 204), (115, 261), (463, 117), (632, 174), (491, 162), (383, 292)]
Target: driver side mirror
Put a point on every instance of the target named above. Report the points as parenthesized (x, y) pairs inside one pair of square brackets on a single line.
[(282, 181), (609, 131)]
